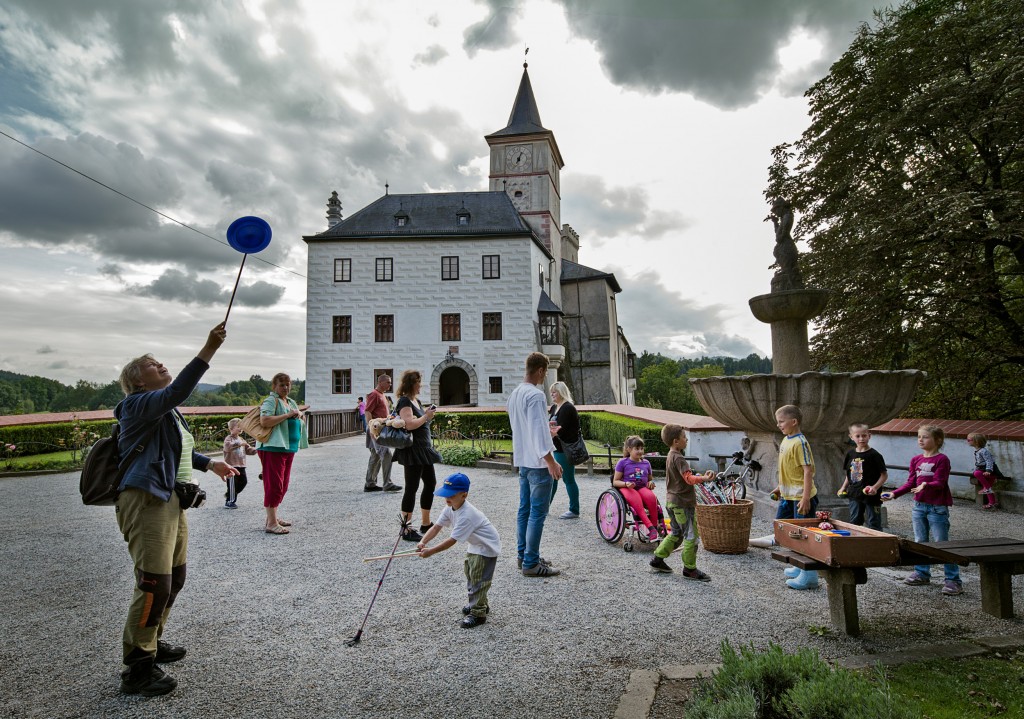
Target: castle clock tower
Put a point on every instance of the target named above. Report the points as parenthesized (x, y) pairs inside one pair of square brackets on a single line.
[(525, 163)]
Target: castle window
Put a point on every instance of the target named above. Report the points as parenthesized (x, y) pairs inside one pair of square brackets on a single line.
[(462, 217), (492, 267), (342, 328), (382, 370), (400, 221), (341, 381), (343, 270), (385, 269), (451, 328), (450, 268), (495, 384), (492, 326), (549, 329), (383, 328)]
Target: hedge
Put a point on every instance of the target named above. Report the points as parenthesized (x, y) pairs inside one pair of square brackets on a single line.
[(612, 429)]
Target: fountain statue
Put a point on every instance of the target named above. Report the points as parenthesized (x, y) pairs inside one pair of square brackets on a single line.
[(830, 402)]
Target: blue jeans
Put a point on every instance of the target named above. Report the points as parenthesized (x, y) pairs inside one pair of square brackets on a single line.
[(861, 511), (534, 500), (788, 509), (569, 479), (931, 524)]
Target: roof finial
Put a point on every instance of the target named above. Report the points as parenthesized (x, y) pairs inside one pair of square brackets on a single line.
[(525, 65), (386, 187)]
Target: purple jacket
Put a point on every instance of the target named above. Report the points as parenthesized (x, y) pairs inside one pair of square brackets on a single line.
[(933, 473)]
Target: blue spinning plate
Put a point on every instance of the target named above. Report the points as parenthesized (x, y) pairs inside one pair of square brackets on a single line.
[(249, 234)]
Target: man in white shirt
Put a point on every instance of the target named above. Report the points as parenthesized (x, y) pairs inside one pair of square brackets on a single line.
[(533, 453)]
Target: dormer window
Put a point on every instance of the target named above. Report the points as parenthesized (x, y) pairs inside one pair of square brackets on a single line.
[(462, 217), (401, 219)]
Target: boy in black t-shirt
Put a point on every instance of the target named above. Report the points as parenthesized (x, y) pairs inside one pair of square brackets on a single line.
[(865, 476)]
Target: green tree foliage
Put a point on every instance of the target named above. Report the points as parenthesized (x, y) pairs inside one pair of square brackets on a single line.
[(662, 382), (910, 181)]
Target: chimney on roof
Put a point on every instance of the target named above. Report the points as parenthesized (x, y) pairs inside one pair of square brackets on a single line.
[(333, 210)]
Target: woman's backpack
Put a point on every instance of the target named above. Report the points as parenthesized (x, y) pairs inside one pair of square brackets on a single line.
[(102, 472)]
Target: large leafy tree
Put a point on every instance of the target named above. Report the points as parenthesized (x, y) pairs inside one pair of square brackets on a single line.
[(910, 185)]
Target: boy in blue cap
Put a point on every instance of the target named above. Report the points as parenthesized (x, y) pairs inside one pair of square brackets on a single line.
[(468, 524)]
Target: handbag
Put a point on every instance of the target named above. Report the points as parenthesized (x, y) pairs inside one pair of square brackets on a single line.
[(252, 427), (394, 437), (576, 451)]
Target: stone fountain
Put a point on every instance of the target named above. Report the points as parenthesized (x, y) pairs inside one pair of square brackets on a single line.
[(830, 402)]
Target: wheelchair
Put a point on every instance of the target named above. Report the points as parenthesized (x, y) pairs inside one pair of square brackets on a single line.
[(615, 518)]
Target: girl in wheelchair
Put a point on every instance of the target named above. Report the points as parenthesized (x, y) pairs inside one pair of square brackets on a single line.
[(634, 479)]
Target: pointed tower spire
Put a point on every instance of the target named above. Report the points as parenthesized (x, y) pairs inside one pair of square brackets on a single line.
[(525, 117)]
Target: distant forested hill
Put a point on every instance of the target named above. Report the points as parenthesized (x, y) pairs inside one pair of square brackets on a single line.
[(661, 382), (25, 394)]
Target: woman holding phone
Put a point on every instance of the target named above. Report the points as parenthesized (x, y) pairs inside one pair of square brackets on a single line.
[(419, 459)]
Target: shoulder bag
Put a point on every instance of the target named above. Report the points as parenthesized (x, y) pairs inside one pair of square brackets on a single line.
[(251, 423), (394, 437), (576, 451)]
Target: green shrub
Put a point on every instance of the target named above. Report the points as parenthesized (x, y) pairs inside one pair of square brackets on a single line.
[(474, 424), (771, 684), (613, 429), (460, 456)]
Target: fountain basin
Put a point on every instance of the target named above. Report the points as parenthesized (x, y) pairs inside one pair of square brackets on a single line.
[(829, 401), (784, 305)]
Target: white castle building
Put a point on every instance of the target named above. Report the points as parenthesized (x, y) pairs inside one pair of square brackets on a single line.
[(462, 286)]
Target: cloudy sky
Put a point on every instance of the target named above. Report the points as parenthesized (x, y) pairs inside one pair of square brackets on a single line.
[(207, 110)]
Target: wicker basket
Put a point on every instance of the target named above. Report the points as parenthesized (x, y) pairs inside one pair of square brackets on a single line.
[(725, 528)]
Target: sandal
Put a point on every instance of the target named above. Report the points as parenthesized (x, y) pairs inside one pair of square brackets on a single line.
[(284, 523), (276, 529)]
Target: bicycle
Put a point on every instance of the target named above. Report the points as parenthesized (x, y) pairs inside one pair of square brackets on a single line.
[(734, 485)]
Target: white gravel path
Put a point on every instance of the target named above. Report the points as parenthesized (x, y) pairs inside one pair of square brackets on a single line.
[(265, 618)]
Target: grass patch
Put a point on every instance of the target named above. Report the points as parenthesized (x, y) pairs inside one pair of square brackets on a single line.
[(975, 688)]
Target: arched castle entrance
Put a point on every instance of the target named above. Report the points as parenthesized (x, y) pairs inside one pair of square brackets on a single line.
[(454, 382)]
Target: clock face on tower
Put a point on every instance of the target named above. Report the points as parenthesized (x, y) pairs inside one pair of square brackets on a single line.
[(519, 158)]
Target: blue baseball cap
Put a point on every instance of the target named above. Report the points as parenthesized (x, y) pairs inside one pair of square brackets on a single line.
[(454, 484)]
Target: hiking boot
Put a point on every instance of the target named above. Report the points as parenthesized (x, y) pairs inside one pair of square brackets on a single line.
[(146, 679), (541, 570), (371, 488), (472, 621), (167, 653), (952, 588), (545, 562), (916, 579), (699, 576), (467, 610), (658, 565), (389, 487)]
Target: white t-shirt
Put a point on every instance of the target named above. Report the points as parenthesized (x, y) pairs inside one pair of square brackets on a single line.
[(469, 525)]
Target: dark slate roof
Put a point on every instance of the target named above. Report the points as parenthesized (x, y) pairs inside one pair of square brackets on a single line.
[(574, 272), (431, 214), (525, 117), (546, 304)]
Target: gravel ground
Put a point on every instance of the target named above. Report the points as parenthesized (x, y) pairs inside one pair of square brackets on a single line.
[(265, 618)]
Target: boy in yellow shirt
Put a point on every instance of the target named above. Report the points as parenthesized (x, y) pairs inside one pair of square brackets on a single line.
[(798, 495)]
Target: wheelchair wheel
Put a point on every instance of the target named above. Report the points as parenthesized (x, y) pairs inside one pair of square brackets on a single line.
[(611, 516), (627, 546)]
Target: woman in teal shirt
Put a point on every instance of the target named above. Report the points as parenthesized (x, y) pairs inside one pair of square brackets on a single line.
[(282, 414)]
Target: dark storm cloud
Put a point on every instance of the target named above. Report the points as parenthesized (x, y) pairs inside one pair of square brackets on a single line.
[(654, 316), (721, 51), (177, 286), (600, 211)]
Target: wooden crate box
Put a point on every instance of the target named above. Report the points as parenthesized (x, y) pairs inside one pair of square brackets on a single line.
[(863, 548)]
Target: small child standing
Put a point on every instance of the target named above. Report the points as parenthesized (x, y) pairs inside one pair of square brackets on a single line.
[(681, 502), (984, 468), (866, 474), (928, 481), (235, 449), (634, 477), (469, 525), (798, 495)]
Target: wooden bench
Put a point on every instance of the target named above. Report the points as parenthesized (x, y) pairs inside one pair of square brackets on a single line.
[(998, 558)]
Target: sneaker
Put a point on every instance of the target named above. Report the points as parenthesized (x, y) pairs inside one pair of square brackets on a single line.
[(541, 570), (792, 572), (411, 535), (425, 527), (472, 621), (652, 533), (371, 488), (569, 515), (389, 487), (167, 653), (696, 575), (545, 562), (658, 565), (916, 579), (146, 679), (985, 491), (230, 505), (952, 588)]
